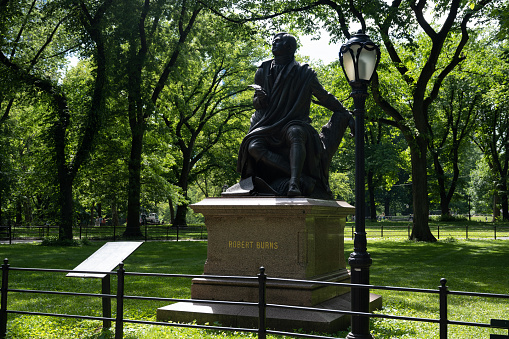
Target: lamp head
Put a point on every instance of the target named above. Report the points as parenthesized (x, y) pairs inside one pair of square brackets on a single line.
[(359, 57)]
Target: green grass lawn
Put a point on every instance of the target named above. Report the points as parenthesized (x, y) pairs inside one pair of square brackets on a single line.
[(474, 265)]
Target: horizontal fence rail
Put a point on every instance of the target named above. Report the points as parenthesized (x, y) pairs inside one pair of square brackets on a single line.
[(262, 279), (149, 231), (460, 231)]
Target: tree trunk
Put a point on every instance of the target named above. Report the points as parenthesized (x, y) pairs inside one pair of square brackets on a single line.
[(28, 212), (444, 202), (504, 202), (172, 211), (134, 190), (92, 211), (387, 208), (180, 216), (66, 207), (420, 229), (19, 218), (114, 214), (496, 210)]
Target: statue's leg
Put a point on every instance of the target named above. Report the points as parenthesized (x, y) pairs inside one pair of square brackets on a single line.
[(259, 150), (296, 137)]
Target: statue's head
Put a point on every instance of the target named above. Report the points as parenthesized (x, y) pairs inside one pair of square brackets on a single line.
[(284, 44)]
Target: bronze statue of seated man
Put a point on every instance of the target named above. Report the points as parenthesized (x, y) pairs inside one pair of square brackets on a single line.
[(282, 154)]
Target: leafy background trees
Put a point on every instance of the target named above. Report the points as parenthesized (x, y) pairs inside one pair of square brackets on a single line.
[(150, 118)]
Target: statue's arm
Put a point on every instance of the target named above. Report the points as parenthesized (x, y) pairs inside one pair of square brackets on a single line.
[(260, 98), (325, 98), (329, 101)]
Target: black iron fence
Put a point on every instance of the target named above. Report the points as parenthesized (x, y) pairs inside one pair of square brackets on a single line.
[(459, 231), (442, 317), (199, 232), (150, 232)]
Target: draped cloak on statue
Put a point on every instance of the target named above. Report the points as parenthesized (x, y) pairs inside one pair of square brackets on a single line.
[(289, 93)]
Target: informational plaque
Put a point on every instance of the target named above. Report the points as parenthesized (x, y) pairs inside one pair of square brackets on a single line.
[(105, 259)]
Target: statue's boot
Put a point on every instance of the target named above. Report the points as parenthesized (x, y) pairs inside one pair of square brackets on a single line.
[(297, 158), (294, 188)]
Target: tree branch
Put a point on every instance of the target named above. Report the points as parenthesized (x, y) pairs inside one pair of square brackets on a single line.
[(176, 52), (48, 41), (418, 11), (20, 33), (262, 17), (7, 111), (389, 46)]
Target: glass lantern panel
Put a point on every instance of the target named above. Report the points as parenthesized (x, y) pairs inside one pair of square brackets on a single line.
[(349, 63), (367, 62)]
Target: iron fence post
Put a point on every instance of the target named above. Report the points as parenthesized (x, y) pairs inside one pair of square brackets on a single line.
[(262, 303), (443, 308), (119, 319), (495, 231), (3, 299), (382, 231)]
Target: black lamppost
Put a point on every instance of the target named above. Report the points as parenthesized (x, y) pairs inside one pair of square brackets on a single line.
[(359, 58)]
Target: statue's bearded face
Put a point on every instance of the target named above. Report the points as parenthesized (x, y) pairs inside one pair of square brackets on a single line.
[(283, 44), (278, 45)]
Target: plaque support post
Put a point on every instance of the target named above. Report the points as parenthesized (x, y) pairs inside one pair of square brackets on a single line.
[(106, 301)]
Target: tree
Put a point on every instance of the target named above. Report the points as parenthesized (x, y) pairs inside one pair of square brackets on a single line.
[(481, 189), (385, 157), (211, 103), (41, 26), (450, 128), (492, 133), (102, 181), (422, 78), (149, 37)]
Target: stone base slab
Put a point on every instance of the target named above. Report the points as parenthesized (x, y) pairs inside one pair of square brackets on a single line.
[(282, 319), (278, 292)]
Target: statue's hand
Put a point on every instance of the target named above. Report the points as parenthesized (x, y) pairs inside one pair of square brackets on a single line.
[(259, 91), (260, 98), (261, 94)]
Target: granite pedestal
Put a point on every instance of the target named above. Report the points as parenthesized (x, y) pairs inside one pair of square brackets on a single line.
[(296, 238)]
